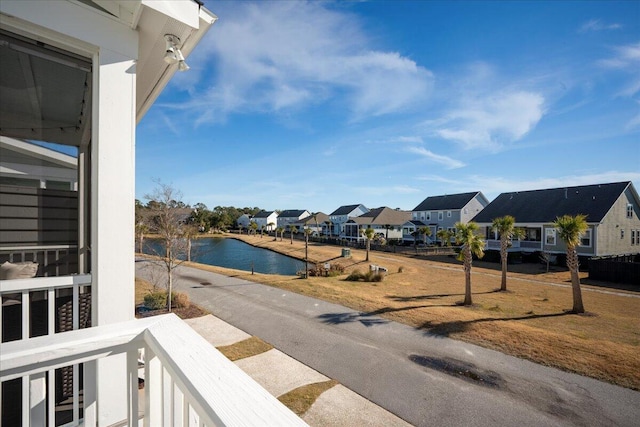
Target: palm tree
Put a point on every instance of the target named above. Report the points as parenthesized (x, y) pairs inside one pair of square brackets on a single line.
[(445, 236), (141, 230), (329, 225), (505, 225), (368, 234), (189, 232), (253, 227), (386, 234), (570, 229), (315, 218), (270, 228), (425, 232), (292, 230), (262, 230), (281, 231), (472, 244)]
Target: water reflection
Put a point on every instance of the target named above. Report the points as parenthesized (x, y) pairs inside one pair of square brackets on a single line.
[(232, 253)]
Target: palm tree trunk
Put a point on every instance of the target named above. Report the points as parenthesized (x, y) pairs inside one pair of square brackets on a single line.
[(467, 276), (572, 263), (189, 249), (503, 259), (368, 248)]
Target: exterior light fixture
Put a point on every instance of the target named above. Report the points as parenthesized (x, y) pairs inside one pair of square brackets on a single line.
[(172, 54)]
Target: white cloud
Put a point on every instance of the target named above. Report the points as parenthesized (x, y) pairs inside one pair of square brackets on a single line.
[(490, 121), (275, 56), (625, 57), (387, 190), (449, 162), (406, 140), (597, 25)]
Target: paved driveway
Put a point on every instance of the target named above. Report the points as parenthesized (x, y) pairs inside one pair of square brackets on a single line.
[(426, 380)]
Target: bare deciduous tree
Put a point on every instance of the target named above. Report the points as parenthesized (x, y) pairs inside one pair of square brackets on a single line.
[(167, 222)]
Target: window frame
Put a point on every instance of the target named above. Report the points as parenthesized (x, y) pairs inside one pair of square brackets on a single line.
[(550, 233)]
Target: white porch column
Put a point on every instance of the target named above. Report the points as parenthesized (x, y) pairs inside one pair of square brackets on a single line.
[(112, 218)]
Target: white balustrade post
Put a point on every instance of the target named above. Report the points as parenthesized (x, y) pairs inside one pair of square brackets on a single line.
[(37, 399), (89, 395), (132, 387), (152, 389), (167, 397)]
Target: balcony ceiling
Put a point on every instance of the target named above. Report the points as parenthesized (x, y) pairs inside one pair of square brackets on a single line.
[(45, 93)]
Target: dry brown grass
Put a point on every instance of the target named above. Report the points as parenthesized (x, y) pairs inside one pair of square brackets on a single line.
[(299, 400), (528, 321), (245, 348)]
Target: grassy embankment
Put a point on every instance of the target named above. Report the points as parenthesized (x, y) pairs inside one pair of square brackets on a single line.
[(529, 321)]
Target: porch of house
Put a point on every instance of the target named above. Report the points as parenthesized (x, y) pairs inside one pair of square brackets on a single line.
[(187, 382)]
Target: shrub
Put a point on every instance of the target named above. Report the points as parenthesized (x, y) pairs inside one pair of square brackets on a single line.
[(155, 300), (180, 300), (373, 276), (355, 276), (400, 269), (335, 269), (369, 276)]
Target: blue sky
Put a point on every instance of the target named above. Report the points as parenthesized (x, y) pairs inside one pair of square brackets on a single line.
[(313, 105)]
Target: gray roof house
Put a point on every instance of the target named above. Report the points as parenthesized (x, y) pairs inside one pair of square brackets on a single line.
[(316, 222), (442, 212), (611, 210), (341, 215), (290, 216), (266, 219), (386, 221)]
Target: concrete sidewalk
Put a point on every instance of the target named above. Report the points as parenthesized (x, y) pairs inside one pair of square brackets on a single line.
[(280, 374)]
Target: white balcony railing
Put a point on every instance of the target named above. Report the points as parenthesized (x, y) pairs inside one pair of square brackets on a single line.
[(187, 381)]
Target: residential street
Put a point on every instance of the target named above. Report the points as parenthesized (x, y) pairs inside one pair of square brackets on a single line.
[(425, 380)]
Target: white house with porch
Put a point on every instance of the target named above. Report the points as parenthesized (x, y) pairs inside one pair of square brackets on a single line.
[(80, 74)]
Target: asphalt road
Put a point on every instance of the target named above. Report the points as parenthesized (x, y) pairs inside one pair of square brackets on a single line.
[(426, 380)]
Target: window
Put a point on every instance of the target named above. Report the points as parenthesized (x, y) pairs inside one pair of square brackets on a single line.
[(585, 240), (629, 210), (622, 234), (428, 216), (550, 236), (448, 214), (633, 237), (440, 216), (415, 215)]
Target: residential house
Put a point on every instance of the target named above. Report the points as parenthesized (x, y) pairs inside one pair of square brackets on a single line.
[(81, 75), (341, 215), (289, 217), (611, 210), (385, 221), (266, 220), (442, 212), (316, 222), (244, 220), (409, 230)]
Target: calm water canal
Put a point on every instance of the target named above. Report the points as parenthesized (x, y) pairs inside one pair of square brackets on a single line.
[(232, 253)]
